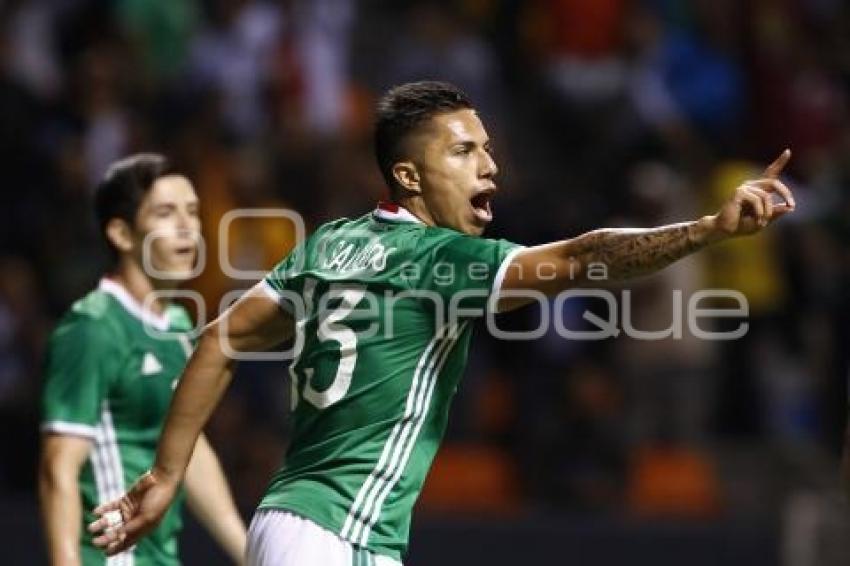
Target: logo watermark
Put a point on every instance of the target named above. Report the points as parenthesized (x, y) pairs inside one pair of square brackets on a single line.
[(356, 303)]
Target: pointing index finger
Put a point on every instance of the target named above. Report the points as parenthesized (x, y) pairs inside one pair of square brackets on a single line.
[(775, 169)]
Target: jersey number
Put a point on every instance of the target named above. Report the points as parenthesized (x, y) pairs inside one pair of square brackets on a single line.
[(330, 328)]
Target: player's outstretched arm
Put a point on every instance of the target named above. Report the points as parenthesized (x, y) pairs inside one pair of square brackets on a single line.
[(254, 323), (208, 497), (631, 252), (62, 457)]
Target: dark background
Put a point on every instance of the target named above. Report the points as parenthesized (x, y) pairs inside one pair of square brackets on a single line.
[(602, 113)]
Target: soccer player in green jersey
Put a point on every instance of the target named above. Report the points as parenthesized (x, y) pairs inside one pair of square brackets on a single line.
[(112, 364), (380, 308)]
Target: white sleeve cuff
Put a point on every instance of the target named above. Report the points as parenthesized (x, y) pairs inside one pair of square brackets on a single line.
[(73, 429), (275, 295), (493, 301)]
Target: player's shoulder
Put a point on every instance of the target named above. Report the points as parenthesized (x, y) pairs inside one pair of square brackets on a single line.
[(439, 235), (97, 306), (341, 225), (438, 244), (322, 232), (92, 317)]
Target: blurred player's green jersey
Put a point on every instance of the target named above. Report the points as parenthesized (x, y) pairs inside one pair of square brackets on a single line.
[(110, 372), (383, 307)]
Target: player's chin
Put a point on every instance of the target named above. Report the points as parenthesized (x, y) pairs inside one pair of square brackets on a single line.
[(182, 263), (476, 230), (177, 270), (476, 225), (183, 273)]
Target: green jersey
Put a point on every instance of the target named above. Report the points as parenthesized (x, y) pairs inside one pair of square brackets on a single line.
[(383, 306), (111, 368)]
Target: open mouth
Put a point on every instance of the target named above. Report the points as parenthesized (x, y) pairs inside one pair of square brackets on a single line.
[(185, 251), (481, 206)]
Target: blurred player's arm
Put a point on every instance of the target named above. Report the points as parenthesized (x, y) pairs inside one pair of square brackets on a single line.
[(254, 323), (62, 457), (629, 252), (208, 497)]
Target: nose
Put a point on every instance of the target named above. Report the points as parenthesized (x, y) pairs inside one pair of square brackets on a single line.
[(488, 165), (182, 221), (186, 223)]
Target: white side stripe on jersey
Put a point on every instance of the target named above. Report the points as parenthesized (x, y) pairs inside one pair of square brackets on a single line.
[(354, 513), (396, 467), (108, 472), (366, 508), (401, 431), (422, 409)]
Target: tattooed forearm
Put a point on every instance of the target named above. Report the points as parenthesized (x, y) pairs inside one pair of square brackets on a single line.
[(630, 252)]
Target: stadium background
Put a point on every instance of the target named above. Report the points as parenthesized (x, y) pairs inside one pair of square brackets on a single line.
[(602, 112)]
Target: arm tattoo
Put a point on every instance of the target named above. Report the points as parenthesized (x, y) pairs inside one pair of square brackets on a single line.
[(630, 252)]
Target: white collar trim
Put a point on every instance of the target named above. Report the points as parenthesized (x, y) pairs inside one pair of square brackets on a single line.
[(402, 215), (158, 321)]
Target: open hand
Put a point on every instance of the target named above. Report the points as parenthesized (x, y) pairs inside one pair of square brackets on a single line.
[(124, 521), (752, 207)]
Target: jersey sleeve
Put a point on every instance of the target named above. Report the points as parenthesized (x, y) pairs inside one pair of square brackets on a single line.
[(277, 284), (465, 271), (78, 366)]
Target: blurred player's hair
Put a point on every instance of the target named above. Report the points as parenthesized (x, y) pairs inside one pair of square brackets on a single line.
[(122, 189), (401, 110)]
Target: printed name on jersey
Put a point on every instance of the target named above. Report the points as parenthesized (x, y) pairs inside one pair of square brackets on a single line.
[(346, 256)]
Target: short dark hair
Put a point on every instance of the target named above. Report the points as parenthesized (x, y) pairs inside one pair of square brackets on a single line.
[(122, 189), (401, 110)]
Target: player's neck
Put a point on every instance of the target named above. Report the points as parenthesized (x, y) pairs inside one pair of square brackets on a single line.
[(132, 277), (417, 207)]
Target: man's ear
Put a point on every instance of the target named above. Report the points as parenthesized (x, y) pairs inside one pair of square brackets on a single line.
[(407, 176), (119, 234)]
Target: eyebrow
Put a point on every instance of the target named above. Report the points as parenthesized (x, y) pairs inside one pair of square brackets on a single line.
[(172, 204), (468, 143)]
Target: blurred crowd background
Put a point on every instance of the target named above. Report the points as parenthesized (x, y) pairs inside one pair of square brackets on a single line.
[(602, 113)]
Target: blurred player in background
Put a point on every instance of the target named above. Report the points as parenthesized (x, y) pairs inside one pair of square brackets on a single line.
[(381, 309), (112, 365)]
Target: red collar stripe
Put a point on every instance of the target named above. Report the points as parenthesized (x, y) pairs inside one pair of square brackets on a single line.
[(388, 206)]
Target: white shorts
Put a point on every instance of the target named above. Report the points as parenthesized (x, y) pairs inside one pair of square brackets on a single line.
[(280, 538)]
